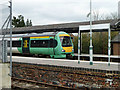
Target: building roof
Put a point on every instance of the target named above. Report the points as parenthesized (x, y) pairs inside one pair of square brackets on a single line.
[(66, 27)]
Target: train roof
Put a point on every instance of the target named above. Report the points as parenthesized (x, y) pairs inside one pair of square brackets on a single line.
[(34, 34)]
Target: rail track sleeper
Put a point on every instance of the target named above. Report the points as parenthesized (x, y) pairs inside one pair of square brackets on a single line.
[(41, 83)]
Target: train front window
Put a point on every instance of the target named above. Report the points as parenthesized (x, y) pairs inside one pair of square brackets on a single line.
[(65, 41)]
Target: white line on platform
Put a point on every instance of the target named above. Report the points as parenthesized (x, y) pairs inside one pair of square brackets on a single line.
[(98, 55)]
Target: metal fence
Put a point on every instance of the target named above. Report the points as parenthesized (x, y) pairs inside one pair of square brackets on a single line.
[(4, 25)]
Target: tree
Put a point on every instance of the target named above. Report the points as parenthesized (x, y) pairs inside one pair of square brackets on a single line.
[(20, 22), (97, 16), (85, 43), (75, 42), (28, 23)]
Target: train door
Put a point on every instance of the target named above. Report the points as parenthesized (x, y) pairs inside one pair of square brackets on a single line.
[(25, 45), (53, 44), (50, 45)]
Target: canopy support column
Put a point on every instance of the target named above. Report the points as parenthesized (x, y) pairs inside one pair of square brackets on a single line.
[(109, 45), (79, 35)]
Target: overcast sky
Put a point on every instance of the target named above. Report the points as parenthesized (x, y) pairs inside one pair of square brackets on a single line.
[(43, 12)]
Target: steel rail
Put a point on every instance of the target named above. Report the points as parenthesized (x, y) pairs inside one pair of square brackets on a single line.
[(41, 83)]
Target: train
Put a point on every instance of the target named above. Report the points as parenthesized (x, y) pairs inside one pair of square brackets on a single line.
[(53, 44)]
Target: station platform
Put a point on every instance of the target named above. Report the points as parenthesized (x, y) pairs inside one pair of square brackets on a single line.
[(68, 63)]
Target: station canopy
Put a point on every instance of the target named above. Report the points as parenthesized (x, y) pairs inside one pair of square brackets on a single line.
[(67, 27)]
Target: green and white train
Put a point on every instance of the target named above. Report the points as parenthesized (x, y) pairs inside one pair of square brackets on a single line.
[(55, 45)]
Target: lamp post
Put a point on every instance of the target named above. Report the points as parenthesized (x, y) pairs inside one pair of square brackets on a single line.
[(11, 38), (91, 47)]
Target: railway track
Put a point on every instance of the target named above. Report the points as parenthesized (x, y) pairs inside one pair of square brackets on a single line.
[(25, 84), (67, 78)]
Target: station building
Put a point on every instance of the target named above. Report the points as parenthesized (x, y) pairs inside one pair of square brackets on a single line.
[(116, 45)]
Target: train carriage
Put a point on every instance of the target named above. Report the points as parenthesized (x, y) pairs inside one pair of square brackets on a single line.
[(56, 44)]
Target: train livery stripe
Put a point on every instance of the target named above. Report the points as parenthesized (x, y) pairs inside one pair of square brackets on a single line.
[(64, 35), (39, 37)]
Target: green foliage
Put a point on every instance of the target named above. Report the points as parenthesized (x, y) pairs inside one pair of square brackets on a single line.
[(85, 43), (28, 23), (100, 42), (75, 42), (20, 22)]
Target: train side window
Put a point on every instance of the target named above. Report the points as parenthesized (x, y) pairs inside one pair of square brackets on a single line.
[(33, 43), (44, 43), (53, 43), (14, 44), (39, 43)]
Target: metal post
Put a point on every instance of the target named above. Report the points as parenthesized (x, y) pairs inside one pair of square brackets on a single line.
[(3, 49), (79, 47), (80, 43), (91, 47), (119, 10), (109, 45), (11, 38)]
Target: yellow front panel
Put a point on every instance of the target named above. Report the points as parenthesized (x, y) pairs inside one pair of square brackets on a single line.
[(64, 35), (68, 49), (39, 37)]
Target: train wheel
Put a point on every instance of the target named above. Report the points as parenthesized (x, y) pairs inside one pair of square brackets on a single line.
[(48, 56)]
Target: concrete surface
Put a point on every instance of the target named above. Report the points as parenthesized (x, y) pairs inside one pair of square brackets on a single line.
[(68, 63), (5, 79)]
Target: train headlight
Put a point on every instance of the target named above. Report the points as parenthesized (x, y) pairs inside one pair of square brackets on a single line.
[(63, 50), (72, 50)]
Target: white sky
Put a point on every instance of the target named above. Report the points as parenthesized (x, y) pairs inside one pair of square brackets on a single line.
[(43, 12)]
